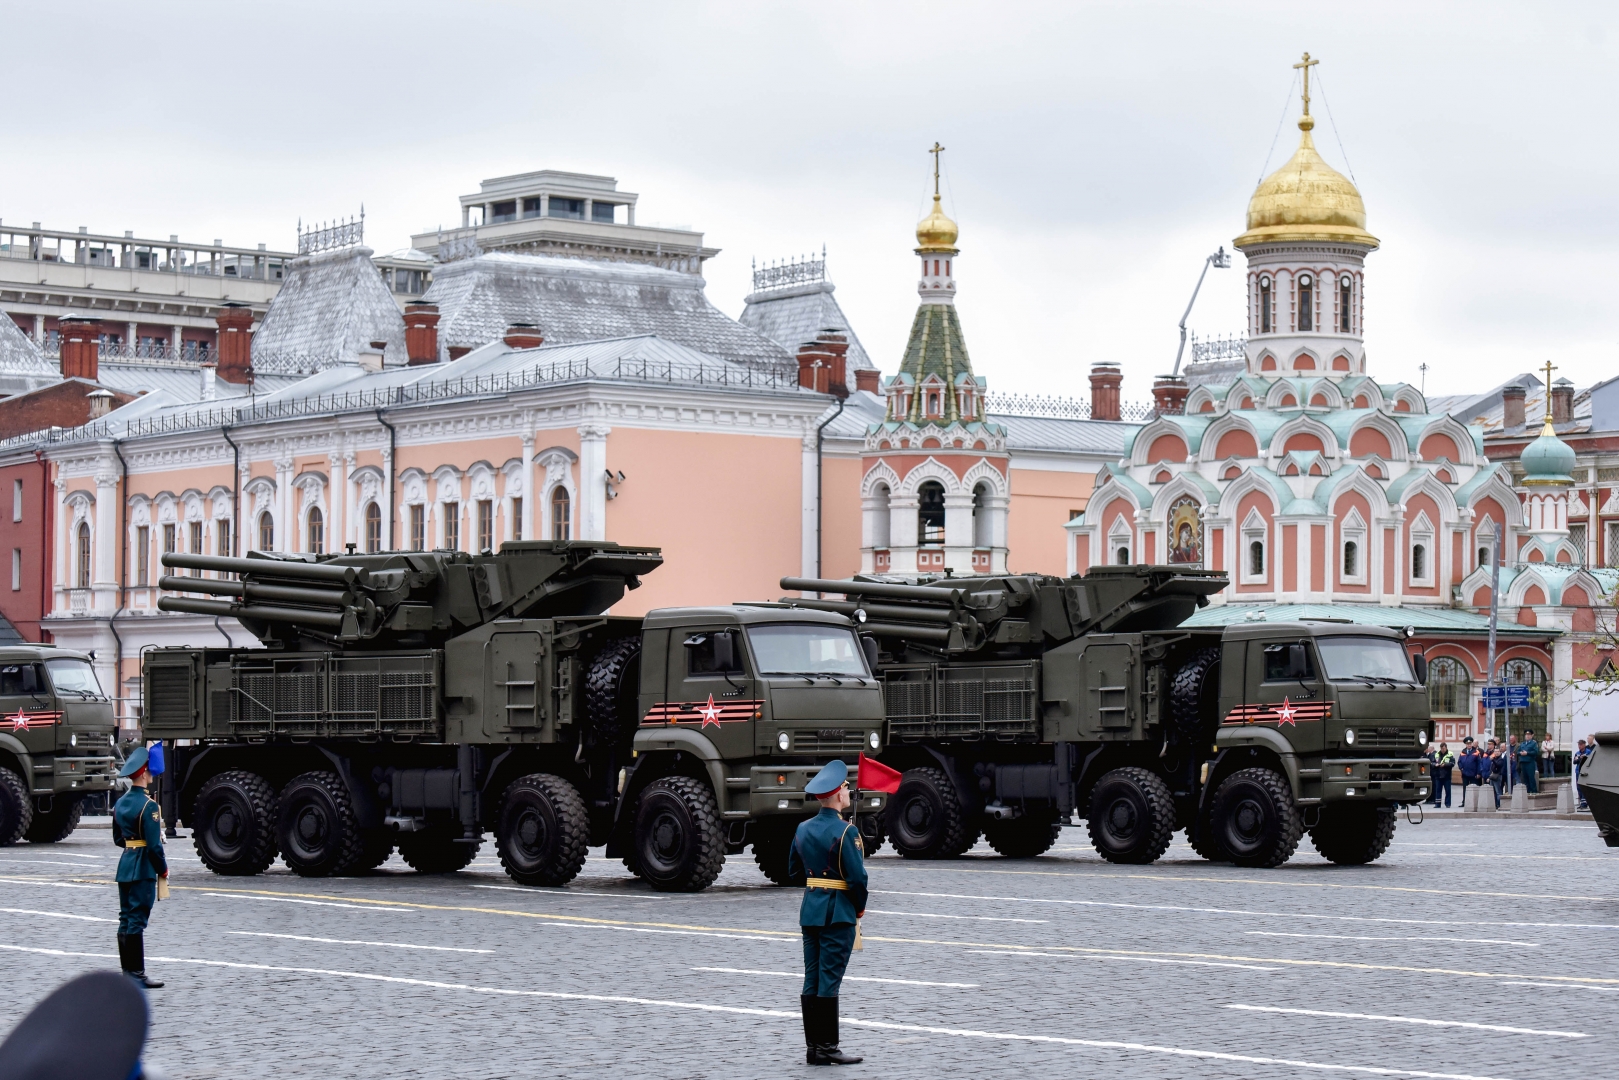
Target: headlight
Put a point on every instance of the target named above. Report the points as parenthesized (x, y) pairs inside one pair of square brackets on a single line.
[(782, 741), (73, 739), (874, 740), (1349, 736), (1422, 738)]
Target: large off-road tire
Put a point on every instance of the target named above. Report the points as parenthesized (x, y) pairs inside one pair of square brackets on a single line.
[(1194, 695), (1352, 834), (543, 830), (873, 832), (1132, 816), (1024, 837), (375, 847), (436, 851), (679, 844), (316, 826), (56, 825), (1201, 840), (233, 824), (772, 842), (1255, 822), (16, 808), (611, 689), (925, 817)]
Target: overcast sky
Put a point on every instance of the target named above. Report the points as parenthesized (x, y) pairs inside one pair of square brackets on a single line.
[(1096, 153)]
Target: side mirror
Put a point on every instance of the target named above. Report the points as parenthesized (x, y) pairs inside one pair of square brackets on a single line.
[(1298, 661), (868, 645), (724, 651), (1420, 662)]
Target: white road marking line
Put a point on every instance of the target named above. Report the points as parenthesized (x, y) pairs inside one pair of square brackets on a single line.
[(73, 855), (566, 892), (312, 903), (1238, 911), (846, 978), (782, 1014), (343, 941), (51, 884), (1367, 937), (676, 933), (43, 862), (932, 915), (1135, 959), (54, 914), (1563, 986), (1431, 843), (1410, 1020)]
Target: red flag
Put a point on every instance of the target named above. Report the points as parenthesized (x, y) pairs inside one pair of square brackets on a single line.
[(875, 776)]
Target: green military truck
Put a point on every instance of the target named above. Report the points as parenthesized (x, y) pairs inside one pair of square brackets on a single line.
[(1599, 785), (415, 700), (1016, 703), (57, 732)]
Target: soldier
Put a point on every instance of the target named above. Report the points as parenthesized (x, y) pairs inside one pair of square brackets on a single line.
[(827, 858), (137, 827)]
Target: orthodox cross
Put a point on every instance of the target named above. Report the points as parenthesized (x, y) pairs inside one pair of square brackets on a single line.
[(1549, 370), (937, 150), (1306, 64)]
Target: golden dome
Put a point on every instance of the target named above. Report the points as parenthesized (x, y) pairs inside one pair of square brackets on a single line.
[(1306, 199), (936, 232)]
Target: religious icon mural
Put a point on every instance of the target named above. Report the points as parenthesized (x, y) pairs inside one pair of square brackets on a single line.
[(1185, 533)]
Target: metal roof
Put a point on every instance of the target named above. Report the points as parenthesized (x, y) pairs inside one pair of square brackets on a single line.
[(794, 316), (332, 305)]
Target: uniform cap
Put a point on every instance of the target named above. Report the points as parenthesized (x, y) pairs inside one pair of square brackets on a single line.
[(828, 779), (135, 763), (90, 1028)]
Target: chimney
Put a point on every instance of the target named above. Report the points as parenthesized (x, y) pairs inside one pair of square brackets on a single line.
[(371, 358), (1169, 395), (1512, 406), (235, 322), (524, 336), (868, 379), (1562, 401), (100, 402), (421, 333), (1105, 380), (206, 386), (81, 348), (822, 363)]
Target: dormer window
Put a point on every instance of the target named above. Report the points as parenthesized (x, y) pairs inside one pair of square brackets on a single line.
[(1306, 302), (933, 403), (1264, 303)]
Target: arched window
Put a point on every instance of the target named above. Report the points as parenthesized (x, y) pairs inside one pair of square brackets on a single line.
[(1264, 303), (317, 531), (1484, 557), (1122, 556), (561, 518), (266, 532), (1345, 291), (1419, 562), (930, 513), (983, 533), (1306, 302), (1256, 558), (1449, 688), (1351, 559), (83, 554), (1530, 674), (373, 527), (880, 510)]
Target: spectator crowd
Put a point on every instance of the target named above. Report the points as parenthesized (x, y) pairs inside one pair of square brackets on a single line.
[(1498, 766)]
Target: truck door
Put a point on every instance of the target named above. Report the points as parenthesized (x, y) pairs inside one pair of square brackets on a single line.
[(27, 712), (710, 688), (1284, 681)]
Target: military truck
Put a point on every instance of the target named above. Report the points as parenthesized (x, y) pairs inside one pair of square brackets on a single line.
[(414, 700), (1599, 785), (57, 732), (1018, 702)]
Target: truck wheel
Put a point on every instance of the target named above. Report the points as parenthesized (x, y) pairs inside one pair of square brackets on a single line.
[(543, 830), (926, 819), (436, 851), (1194, 695), (233, 824), (611, 689), (771, 845), (376, 845), (1132, 816), (679, 845), (319, 833), (56, 825), (1353, 834), (16, 808), (872, 834), (1255, 821), (1024, 837)]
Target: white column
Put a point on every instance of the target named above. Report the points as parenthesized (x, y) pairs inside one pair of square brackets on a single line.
[(39, 330), (130, 341), (351, 513), (390, 514), (104, 578), (63, 573), (177, 340), (807, 511), (286, 500), (902, 533), (592, 486), (531, 487), (335, 501), (997, 507), (958, 531)]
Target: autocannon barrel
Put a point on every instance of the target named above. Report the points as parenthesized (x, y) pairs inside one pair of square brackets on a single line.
[(214, 586), (906, 630), (326, 620), (254, 590), (920, 612), (326, 573), (928, 593)]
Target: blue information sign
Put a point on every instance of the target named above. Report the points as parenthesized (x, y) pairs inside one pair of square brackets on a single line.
[(1506, 697)]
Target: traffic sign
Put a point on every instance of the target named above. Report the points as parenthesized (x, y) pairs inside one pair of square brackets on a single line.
[(1506, 697)]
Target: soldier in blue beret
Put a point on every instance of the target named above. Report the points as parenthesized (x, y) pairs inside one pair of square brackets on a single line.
[(828, 860), (137, 827)]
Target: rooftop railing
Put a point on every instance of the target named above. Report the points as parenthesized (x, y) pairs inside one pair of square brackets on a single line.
[(1057, 408)]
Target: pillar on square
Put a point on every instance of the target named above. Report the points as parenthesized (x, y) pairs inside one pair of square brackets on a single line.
[(592, 481)]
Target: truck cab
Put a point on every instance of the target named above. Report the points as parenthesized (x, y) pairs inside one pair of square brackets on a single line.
[(57, 732)]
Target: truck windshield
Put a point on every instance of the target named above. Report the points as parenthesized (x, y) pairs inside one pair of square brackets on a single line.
[(73, 677), (1376, 659), (818, 650)]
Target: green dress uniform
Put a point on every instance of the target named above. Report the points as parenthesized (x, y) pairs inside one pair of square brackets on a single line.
[(137, 827)]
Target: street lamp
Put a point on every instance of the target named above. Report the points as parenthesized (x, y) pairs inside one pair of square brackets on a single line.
[(1220, 260)]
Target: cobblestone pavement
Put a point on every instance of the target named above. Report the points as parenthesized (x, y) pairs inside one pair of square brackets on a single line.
[(1466, 952)]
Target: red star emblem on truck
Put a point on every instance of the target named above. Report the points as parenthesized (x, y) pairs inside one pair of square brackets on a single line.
[(1284, 715), (710, 713), (20, 721)]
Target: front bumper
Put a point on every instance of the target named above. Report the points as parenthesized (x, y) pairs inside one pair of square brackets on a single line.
[(1402, 780), (779, 790), (60, 774)]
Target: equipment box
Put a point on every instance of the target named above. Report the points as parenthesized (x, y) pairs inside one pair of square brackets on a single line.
[(968, 701), (322, 695)]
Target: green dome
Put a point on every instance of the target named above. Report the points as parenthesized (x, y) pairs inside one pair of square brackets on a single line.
[(1548, 460)]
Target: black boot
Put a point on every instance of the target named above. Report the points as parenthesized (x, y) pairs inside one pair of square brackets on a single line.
[(806, 1006), (123, 953), (135, 966), (829, 1053)]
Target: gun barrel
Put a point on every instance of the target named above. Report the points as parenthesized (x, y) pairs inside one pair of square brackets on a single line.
[(904, 630), (878, 611), (215, 586), (883, 589), (326, 620), (327, 573), (293, 594)]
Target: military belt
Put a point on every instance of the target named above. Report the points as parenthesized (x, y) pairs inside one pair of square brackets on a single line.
[(134, 843), (826, 883)]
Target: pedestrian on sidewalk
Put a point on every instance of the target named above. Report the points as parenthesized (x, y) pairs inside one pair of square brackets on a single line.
[(1581, 755), (1472, 764), (1529, 762), (1548, 755), (1498, 773), (1443, 765)]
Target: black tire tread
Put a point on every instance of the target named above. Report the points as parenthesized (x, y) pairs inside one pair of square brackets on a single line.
[(1354, 839), (1022, 838), (351, 845), (770, 851), (1161, 808), (436, 852), (603, 686), (956, 837), (573, 820), (57, 825), (1186, 693), (376, 846), (262, 801), (705, 813), (16, 808), (1282, 796)]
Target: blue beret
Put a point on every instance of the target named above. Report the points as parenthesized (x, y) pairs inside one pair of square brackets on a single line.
[(135, 763), (828, 779)]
